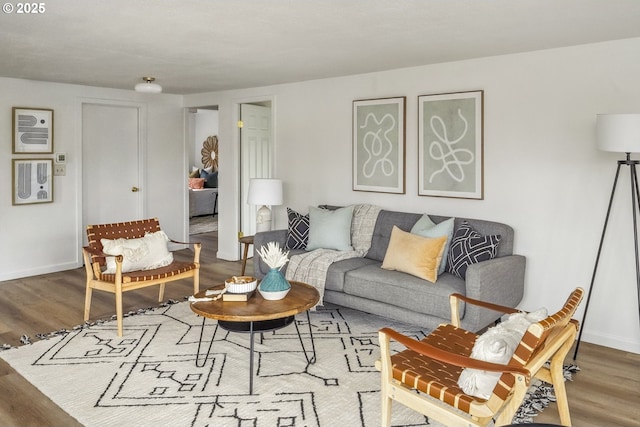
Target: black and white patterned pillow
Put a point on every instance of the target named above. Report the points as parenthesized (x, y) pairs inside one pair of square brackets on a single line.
[(469, 247), (298, 230)]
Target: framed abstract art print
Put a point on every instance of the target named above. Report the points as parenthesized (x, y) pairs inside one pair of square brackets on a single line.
[(32, 181), (450, 145), (379, 145), (32, 130)]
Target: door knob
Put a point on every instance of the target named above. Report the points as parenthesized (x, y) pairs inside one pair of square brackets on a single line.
[(134, 189)]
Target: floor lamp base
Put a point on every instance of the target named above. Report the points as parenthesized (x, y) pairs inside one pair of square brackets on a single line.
[(635, 207)]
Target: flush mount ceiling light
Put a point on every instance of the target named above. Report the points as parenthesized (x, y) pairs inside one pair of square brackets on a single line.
[(148, 86)]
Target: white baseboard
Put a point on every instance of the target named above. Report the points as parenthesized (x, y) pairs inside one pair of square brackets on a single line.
[(11, 275), (228, 256), (619, 343)]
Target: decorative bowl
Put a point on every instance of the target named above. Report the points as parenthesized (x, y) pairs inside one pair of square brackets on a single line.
[(273, 295), (241, 284)]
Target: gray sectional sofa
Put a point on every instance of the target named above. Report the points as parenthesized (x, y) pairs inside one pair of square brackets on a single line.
[(361, 283)]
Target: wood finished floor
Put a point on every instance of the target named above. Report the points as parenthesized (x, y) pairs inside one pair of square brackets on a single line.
[(606, 392)]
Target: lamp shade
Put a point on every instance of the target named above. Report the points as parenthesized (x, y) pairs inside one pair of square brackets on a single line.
[(265, 191), (618, 132)]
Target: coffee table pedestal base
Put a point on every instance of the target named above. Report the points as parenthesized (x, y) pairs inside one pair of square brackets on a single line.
[(251, 328)]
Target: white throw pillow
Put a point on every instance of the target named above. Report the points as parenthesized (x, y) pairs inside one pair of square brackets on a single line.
[(497, 345), (145, 253)]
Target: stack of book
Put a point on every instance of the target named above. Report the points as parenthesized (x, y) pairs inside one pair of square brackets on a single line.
[(245, 296)]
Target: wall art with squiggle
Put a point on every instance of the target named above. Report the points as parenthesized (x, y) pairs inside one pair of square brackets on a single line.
[(378, 151), (450, 150)]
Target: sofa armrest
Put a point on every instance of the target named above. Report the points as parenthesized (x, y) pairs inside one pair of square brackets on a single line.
[(456, 299), (498, 281), (261, 239)]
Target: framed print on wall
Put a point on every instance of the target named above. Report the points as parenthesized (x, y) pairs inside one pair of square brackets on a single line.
[(379, 145), (32, 130), (32, 181), (450, 145)]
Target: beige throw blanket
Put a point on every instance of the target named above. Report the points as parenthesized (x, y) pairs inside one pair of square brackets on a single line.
[(311, 267)]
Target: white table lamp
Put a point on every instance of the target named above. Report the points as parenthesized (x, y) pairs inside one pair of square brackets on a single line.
[(264, 192)]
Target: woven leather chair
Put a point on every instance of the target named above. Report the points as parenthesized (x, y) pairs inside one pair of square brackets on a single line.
[(119, 282), (424, 376)]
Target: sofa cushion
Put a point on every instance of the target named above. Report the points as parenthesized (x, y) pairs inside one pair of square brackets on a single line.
[(336, 274), (413, 254), (330, 229), (469, 247), (427, 228), (297, 230), (403, 290), (382, 231)]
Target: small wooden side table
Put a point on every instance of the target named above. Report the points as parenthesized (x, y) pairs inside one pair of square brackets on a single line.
[(246, 241)]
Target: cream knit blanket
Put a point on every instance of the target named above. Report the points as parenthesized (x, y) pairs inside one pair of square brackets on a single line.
[(311, 267)]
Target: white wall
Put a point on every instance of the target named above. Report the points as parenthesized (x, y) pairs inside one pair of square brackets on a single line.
[(543, 173), (205, 123), (38, 239)]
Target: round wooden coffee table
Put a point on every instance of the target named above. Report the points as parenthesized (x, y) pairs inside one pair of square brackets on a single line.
[(257, 315)]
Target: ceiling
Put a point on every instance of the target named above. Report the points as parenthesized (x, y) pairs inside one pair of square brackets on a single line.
[(194, 46)]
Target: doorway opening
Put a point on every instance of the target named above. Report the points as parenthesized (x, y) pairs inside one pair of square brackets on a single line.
[(203, 162)]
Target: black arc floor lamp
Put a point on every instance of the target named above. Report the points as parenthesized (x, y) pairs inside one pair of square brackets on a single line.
[(618, 133)]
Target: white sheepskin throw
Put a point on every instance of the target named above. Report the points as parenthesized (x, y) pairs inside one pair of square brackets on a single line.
[(497, 345)]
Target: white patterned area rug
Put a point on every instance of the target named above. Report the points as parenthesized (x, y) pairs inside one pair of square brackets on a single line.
[(149, 376)]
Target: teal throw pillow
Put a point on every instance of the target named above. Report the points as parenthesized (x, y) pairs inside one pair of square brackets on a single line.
[(330, 229), (425, 227)]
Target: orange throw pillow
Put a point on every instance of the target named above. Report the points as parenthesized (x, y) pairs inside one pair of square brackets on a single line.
[(413, 254), (196, 183)]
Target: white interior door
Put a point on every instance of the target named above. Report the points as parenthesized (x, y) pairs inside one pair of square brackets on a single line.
[(111, 167), (256, 157)]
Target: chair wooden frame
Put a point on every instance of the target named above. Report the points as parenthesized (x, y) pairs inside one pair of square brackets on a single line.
[(119, 282), (432, 366)]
